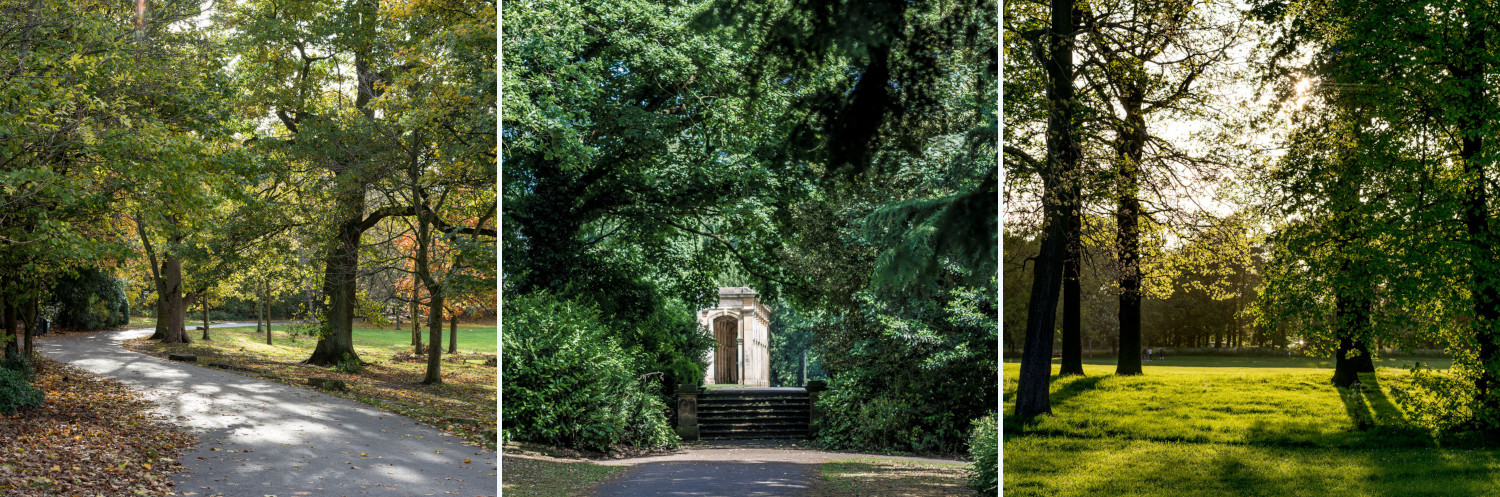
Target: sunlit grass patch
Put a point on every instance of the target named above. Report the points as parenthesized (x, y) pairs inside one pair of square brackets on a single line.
[(1227, 426)]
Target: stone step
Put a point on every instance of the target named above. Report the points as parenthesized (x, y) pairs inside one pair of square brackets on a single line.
[(753, 425), (749, 418)]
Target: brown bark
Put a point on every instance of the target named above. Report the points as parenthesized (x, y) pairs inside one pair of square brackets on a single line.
[(453, 334), (416, 320), (174, 305)]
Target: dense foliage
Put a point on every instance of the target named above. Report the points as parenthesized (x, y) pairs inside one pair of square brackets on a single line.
[(91, 300), (16, 393), (569, 382)]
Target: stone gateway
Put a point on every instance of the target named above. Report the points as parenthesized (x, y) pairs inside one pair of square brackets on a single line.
[(740, 324)]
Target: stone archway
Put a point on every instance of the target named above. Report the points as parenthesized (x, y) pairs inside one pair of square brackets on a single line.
[(726, 350)]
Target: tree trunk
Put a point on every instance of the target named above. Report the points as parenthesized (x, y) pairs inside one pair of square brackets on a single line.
[(336, 340), (416, 320), (1128, 235), (175, 306), (435, 348), (1072, 339), (263, 313), (453, 334), (30, 326), (1032, 389), (205, 318)]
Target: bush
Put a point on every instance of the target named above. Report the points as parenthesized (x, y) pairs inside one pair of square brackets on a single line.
[(91, 300), (984, 450), (348, 365), (20, 363), (16, 393), (569, 383), (909, 378)]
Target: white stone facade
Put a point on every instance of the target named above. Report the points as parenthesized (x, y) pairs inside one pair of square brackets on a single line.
[(741, 327)]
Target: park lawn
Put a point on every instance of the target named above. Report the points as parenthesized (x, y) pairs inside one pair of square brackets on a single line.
[(870, 476), (1230, 426), (464, 404)]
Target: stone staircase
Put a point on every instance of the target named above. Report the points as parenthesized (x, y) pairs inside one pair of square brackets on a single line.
[(753, 413)]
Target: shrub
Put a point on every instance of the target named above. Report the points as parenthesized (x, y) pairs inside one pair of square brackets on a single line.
[(569, 383), (909, 378), (16, 393), (20, 363), (984, 450), (91, 300), (348, 365)]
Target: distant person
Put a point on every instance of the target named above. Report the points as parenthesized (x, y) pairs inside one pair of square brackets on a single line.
[(1148, 354)]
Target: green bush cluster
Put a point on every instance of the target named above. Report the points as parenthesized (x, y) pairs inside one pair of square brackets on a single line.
[(20, 363), (16, 393), (910, 376), (91, 300), (569, 383), (985, 451)]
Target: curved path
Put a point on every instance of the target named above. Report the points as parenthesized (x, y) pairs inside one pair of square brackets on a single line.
[(258, 438), (749, 468)]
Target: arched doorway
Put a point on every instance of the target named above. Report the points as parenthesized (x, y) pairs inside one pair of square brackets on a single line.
[(726, 352)]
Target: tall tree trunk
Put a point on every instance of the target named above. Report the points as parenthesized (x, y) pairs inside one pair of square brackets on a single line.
[(453, 333), (1128, 235), (205, 318), (1072, 335), (1032, 388), (175, 306), (1470, 72), (337, 339)]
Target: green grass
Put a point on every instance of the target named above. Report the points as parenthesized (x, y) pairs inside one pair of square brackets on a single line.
[(859, 477), (1232, 426), (472, 338), (528, 477)]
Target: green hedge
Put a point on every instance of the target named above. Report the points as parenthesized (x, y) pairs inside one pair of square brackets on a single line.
[(984, 450), (569, 383)]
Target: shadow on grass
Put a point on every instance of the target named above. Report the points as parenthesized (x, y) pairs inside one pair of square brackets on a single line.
[(1075, 386), (1377, 421)]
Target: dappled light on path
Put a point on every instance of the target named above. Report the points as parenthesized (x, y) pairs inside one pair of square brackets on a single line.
[(262, 438)]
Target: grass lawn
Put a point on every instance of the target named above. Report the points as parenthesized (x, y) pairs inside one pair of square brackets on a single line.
[(1232, 426), (464, 404), (865, 477), (529, 477)]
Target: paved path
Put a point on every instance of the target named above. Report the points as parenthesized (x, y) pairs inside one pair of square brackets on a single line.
[(750, 468), (259, 438)]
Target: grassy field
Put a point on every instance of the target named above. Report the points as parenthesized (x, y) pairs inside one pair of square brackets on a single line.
[(1233, 426), (464, 404)]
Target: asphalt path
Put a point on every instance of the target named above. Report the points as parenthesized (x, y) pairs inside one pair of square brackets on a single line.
[(259, 438), (732, 468)]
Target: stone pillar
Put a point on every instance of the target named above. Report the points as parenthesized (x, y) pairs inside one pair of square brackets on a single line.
[(813, 387), (687, 412)]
